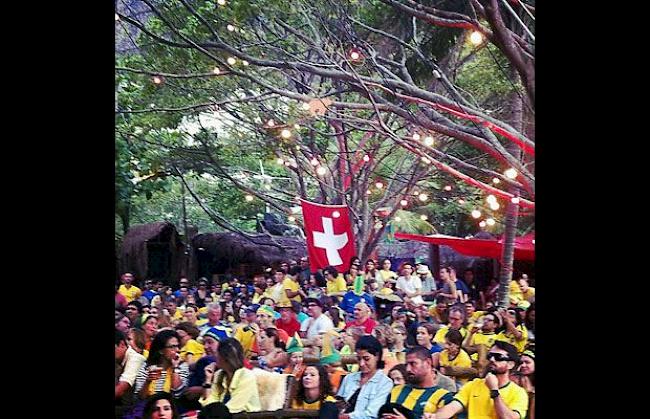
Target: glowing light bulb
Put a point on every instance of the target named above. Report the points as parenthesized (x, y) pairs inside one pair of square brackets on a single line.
[(231, 60), (403, 202), (321, 171), (494, 206), (368, 192), (533, 241), (291, 218), (314, 161), (305, 106), (491, 198), (336, 214), (221, 2), (416, 193), (425, 160), (496, 180), (249, 198), (355, 55), (423, 197), (156, 80), (416, 136), (270, 123), (490, 221), (398, 219), (428, 141), (268, 187), (231, 28), (245, 62), (285, 134), (296, 126), (280, 161), (116, 17), (423, 217), (476, 38), (447, 188), (461, 201), (482, 224), (510, 173), (476, 214), (216, 70), (379, 185), (366, 158), (514, 200)]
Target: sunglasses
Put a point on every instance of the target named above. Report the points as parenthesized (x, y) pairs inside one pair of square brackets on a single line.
[(497, 357)]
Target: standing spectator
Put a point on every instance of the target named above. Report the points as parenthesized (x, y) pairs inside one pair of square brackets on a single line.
[(305, 272), (428, 282), (120, 300), (127, 289), (183, 283), (317, 322), (371, 272), (473, 292), (448, 294), (292, 289)]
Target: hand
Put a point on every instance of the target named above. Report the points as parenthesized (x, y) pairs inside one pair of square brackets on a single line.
[(176, 361), (429, 416), (209, 372), (526, 384), (491, 381), (395, 415), (154, 373)]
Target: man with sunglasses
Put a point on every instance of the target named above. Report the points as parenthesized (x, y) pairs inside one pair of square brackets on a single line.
[(317, 323), (481, 333), (492, 396)]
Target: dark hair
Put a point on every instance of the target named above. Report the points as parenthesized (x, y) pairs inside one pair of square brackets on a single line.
[(119, 337), (325, 387), (313, 300), (194, 306), (231, 354), (150, 405), (455, 337), (158, 344), (188, 328), (372, 345), (137, 304), (332, 270), (399, 367), (272, 332), (430, 328), (139, 338), (420, 351), (336, 315), (296, 306), (509, 348), (295, 270)]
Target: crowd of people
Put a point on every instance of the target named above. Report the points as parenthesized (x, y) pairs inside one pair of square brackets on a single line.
[(370, 342)]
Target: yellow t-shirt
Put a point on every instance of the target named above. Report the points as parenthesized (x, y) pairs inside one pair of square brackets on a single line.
[(475, 398), (420, 400), (338, 285), (192, 347), (246, 338), (290, 284), (130, 294), (475, 316), (201, 322), (178, 315), (515, 292), (481, 338), (440, 334), (295, 404), (462, 360), (387, 274), (529, 294), (519, 344)]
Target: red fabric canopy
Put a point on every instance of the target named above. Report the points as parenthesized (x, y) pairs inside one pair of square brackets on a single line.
[(524, 246)]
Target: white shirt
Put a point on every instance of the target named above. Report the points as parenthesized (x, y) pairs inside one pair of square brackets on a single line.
[(132, 363), (315, 327), (410, 285)]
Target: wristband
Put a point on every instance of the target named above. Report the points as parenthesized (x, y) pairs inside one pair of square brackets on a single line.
[(206, 385), (494, 394)]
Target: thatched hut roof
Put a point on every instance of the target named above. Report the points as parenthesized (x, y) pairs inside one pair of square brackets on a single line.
[(135, 248), (227, 251)]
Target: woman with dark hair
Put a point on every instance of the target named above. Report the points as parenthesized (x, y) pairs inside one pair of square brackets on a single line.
[(160, 406), (425, 333), (365, 391), (202, 291), (163, 371), (122, 323), (398, 374), (525, 378), (315, 393), (271, 350), (233, 386), (453, 360), (529, 322), (334, 313), (149, 325)]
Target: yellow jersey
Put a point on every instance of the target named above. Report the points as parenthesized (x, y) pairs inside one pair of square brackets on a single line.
[(442, 332), (246, 338), (192, 347), (304, 405), (519, 344), (481, 338), (337, 285), (476, 401), (462, 360), (132, 293), (290, 284), (420, 400)]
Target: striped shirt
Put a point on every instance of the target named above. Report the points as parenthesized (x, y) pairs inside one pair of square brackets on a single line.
[(420, 400), (183, 372)]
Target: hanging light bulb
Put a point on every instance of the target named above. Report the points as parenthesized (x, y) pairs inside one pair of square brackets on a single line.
[(515, 200), (379, 185), (336, 214), (249, 198), (490, 221), (157, 80), (270, 123), (291, 218), (285, 134), (280, 161), (491, 198), (423, 197), (221, 2), (482, 224), (461, 201), (494, 206), (447, 188), (403, 202), (428, 141), (476, 214), (368, 192), (321, 170), (296, 126), (231, 60), (246, 63), (533, 241), (423, 217), (366, 158), (416, 193), (314, 161), (476, 38), (231, 28), (354, 54), (398, 219), (117, 17), (496, 180), (216, 70), (511, 173), (416, 136)]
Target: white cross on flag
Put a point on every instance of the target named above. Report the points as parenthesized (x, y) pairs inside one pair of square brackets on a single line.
[(329, 235)]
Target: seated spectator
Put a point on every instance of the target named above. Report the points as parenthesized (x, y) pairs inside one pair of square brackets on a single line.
[(287, 321), (127, 364), (453, 360), (331, 359), (525, 378), (514, 333), (191, 350), (457, 319), (149, 325), (398, 374), (272, 356), (385, 335), (424, 337), (160, 406), (315, 393), (122, 323), (362, 318), (295, 350)]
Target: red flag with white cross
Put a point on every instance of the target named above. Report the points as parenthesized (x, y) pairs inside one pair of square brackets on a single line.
[(329, 235)]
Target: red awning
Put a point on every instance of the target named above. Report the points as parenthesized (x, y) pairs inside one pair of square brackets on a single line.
[(524, 245)]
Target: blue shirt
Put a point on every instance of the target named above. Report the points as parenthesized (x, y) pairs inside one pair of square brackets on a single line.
[(350, 299), (372, 397), (149, 294)]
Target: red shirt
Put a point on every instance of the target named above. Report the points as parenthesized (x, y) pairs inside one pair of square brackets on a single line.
[(290, 327), (368, 325), (120, 300)]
